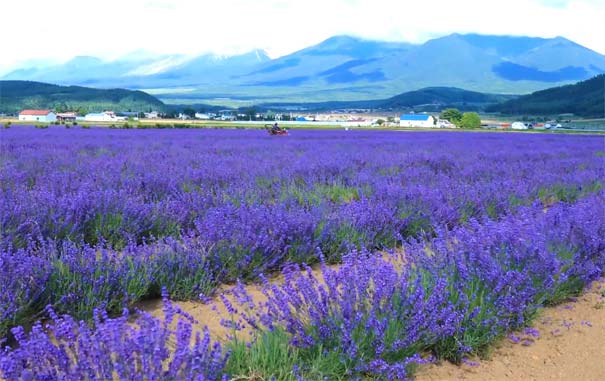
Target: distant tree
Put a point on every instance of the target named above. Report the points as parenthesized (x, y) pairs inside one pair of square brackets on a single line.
[(452, 114), (172, 114), (470, 120), (251, 113), (189, 112), (380, 122), (60, 107)]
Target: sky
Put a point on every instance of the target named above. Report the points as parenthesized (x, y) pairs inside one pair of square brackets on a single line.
[(40, 32)]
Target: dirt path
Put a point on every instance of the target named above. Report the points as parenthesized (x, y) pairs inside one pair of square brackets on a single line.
[(571, 345)]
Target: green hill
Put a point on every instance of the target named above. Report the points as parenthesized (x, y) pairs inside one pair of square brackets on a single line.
[(19, 95), (585, 99), (444, 97), (427, 99)]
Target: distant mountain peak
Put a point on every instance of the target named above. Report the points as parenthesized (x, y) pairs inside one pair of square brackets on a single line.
[(343, 66), (84, 59)]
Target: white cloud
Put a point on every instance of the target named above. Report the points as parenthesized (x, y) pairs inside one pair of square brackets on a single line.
[(61, 29)]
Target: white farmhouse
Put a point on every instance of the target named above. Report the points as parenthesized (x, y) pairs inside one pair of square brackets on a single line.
[(105, 116), (37, 116), (416, 120), (202, 116), (519, 126)]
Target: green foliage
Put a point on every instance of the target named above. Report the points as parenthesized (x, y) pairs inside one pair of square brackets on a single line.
[(108, 226), (470, 120), (452, 114), (585, 99), (95, 288), (271, 357), (183, 282), (189, 112)]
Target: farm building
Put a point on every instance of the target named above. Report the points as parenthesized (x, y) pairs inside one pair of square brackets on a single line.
[(66, 117), (519, 126), (444, 123), (202, 116), (416, 120), (37, 116), (105, 116)]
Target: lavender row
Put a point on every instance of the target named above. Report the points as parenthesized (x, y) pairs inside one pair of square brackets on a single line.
[(371, 318), (77, 280), (241, 188), (115, 349), (455, 296)]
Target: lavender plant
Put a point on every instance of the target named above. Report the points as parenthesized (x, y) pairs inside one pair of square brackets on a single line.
[(454, 295), (148, 349), (23, 280)]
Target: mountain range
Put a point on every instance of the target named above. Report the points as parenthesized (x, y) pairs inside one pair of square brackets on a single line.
[(341, 68)]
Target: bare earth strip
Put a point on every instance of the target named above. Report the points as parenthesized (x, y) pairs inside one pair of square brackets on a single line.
[(571, 345)]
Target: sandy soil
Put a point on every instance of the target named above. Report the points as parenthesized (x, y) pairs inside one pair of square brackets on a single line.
[(207, 314), (570, 346)]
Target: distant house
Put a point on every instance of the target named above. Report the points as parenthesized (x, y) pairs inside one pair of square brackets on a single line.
[(128, 114), (152, 115), (37, 116), (519, 126), (227, 115), (66, 117), (416, 120), (202, 116), (105, 116), (444, 123)]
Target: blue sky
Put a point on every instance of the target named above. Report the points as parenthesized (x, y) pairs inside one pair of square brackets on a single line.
[(45, 31)]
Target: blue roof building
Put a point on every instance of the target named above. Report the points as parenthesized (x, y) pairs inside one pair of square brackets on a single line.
[(415, 117), (416, 120)]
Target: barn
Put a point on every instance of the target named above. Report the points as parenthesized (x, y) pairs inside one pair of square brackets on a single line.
[(46, 116), (416, 120)]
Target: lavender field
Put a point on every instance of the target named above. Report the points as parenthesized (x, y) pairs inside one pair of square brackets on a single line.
[(443, 242)]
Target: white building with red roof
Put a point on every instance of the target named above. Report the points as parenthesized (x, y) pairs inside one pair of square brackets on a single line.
[(37, 116)]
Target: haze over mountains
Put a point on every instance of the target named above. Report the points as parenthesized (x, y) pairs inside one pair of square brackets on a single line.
[(340, 68)]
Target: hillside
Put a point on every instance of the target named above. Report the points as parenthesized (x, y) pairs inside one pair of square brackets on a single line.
[(444, 97), (343, 68), (427, 99), (585, 99), (18, 95)]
